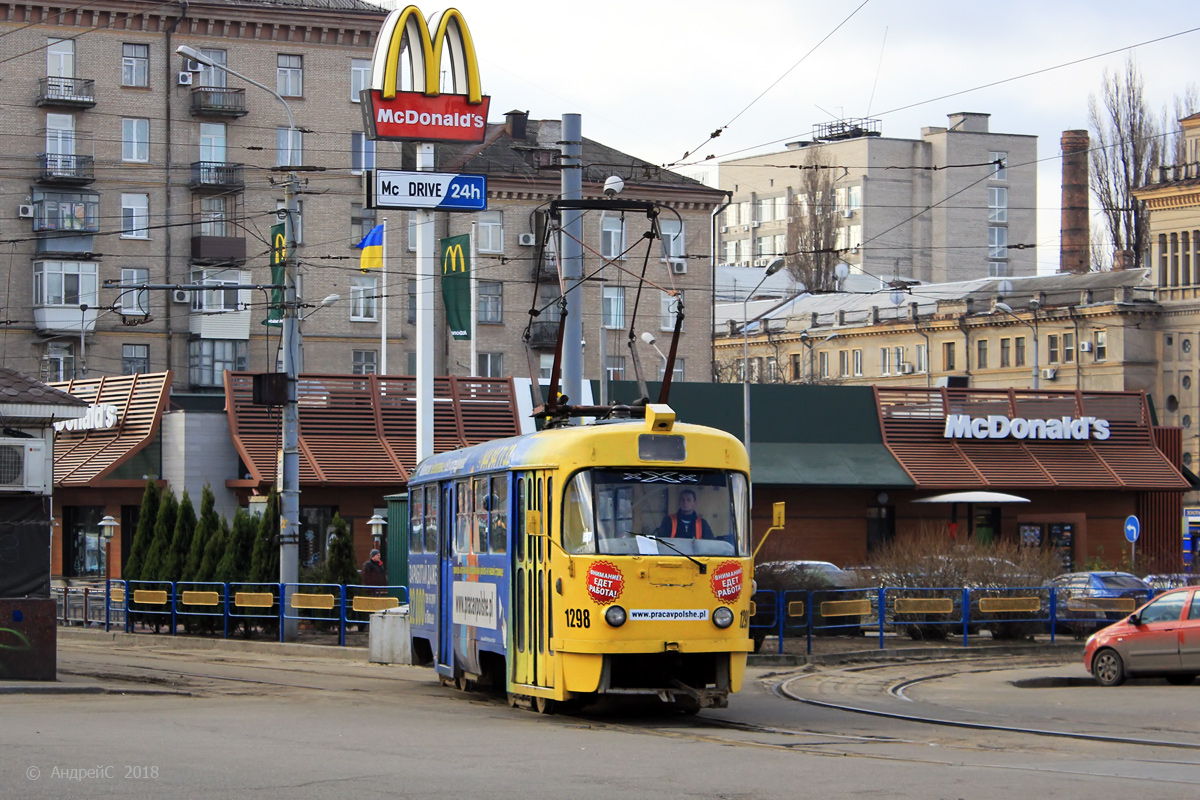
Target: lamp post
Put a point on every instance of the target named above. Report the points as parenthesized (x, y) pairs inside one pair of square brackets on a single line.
[(289, 483), (1034, 305), (108, 527), (772, 268), (649, 339), (376, 524)]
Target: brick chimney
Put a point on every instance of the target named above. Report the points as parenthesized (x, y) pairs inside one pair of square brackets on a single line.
[(514, 124), (1074, 254)]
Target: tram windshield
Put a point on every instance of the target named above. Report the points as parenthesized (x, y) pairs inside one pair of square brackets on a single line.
[(656, 512)]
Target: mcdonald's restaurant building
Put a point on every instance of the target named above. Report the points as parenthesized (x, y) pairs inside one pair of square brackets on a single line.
[(853, 462)]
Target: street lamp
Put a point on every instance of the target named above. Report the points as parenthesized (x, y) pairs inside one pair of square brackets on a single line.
[(289, 483), (1034, 305), (772, 268), (376, 524), (108, 527), (649, 339)]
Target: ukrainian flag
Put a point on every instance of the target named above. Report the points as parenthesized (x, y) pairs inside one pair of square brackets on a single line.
[(372, 249)]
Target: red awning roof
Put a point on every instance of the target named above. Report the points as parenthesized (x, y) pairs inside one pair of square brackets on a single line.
[(362, 429), (84, 456), (913, 422)]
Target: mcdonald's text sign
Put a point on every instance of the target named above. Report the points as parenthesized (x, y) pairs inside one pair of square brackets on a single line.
[(441, 191), (424, 113)]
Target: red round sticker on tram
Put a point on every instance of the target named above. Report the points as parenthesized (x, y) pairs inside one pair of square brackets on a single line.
[(605, 582), (726, 581)]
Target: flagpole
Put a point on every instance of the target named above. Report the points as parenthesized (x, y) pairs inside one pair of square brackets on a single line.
[(383, 307), (474, 309)]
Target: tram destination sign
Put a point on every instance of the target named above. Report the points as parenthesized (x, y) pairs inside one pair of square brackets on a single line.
[(435, 191)]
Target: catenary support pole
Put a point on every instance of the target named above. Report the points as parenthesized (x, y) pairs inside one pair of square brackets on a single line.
[(572, 258), (426, 286)]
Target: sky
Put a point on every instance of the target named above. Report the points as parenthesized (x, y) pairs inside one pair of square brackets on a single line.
[(654, 78)]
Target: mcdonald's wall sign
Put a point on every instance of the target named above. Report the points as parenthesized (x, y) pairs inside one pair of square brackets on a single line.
[(424, 113)]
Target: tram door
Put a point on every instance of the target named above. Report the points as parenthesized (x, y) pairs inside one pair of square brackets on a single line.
[(532, 584), (445, 622)]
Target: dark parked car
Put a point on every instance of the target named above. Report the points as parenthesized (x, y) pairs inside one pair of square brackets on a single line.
[(821, 577), (1160, 638), (1087, 591)]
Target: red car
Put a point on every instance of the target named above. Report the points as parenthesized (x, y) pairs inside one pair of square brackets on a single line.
[(1161, 638)]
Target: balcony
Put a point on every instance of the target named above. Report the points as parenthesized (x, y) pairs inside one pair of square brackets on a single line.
[(218, 101), (218, 249), (543, 335), (217, 175), (68, 92), (66, 169)]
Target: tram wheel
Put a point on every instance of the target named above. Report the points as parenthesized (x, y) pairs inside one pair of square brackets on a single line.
[(464, 683), (544, 705), (512, 700)]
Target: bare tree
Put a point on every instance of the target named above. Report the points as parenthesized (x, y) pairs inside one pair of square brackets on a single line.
[(812, 227), (1185, 105), (1126, 145)]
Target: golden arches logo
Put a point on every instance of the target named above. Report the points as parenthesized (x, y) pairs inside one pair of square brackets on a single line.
[(279, 249), (453, 260), (425, 54)]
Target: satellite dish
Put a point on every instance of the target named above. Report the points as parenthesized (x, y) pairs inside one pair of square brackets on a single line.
[(842, 271), (1005, 287), (897, 297)]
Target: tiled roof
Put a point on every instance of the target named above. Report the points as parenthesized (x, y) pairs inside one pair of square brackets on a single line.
[(313, 5), (16, 387)]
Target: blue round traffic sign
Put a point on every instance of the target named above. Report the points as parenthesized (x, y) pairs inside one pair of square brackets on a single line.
[(1133, 528)]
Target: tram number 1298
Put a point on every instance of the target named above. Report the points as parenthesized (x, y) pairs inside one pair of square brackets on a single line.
[(579, 618)]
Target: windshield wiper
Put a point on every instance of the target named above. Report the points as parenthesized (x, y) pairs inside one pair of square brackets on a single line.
[(703, 567)]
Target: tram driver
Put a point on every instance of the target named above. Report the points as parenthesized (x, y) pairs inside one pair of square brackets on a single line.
[(685, 523)]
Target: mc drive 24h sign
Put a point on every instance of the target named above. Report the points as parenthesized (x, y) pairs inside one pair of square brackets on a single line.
[(424, 113)]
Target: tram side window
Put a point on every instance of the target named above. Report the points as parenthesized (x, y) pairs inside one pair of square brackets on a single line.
[(479, 530), (521, 506), (462, 517), (431, 518), (578, 536), (499, 508), (416, 508)]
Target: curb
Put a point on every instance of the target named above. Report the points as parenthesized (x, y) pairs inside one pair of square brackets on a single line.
[(293, 649)]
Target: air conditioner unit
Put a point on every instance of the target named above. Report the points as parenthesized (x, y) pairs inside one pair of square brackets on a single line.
[(193, 66), (760, 262), (25, 211), (181, 296), (23, 465), (755, 224), (1085, 347), (679, 267), (185, 78), (724, 229), (907, 369), (1050, 373), (526, 239), (848, 213)]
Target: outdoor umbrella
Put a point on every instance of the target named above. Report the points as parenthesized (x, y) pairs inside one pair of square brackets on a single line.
[(970, 498)]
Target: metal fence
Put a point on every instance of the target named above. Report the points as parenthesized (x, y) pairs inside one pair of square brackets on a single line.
[(1007, 613)]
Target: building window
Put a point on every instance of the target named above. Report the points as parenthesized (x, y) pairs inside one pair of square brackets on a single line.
[(981, 354), (222, 296), (135, 302), (672, 233), (490, 297), (362, 220), (614, 307), (135, 140), (922, 358), (615, 367), (1052, 347), (1100, 345), (999, 171), (362, 153), (772, 367), (363, 299), (212, 77), (730, 252), (213, 215), (66, 211), (764, 210), (360, 78), (135, 216), (135, 358), (612, 237), (1068, 342), (797, 368), (412, 230), (843, 363), (60, 58), (365, 362), (885, 361), (1019, 351), (60, 361), (998, 269), (135, 65), (289, 147), (490, 227), (490, 365), (289, 76), (677, 372), (212, 142), (1005, 353), (997, 241), (823, 364), (997, 204), (412, 302), (858, 363), (65, 283), (948, 356), (209, 359), (668, 308)]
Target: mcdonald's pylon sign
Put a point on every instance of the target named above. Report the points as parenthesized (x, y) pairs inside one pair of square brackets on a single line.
[(423, 113)]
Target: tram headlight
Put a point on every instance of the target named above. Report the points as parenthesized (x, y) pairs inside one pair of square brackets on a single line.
[(722, 617), (615, 616)]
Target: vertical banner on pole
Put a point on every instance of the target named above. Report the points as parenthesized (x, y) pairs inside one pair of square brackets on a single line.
[(456, 285), (278, 274)]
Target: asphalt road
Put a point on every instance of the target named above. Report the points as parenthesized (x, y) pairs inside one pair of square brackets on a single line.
[(157, 718)]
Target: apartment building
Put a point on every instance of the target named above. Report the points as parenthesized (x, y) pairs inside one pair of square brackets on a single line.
[(959, 203)]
